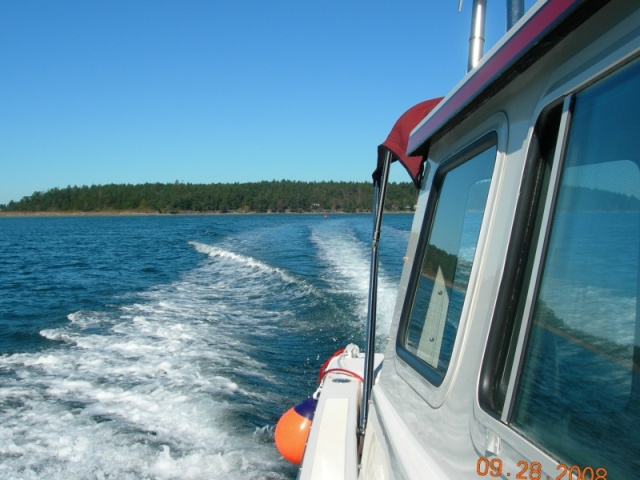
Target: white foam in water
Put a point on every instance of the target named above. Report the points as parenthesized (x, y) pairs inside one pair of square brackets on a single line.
[(249, 261), (148, 390), (349, 262)]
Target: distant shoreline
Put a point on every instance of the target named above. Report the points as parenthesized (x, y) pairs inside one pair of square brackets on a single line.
[(284, 196), (134, 213), (79, 214)]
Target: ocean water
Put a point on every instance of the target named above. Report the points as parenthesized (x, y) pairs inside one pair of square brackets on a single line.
[(167, 347)]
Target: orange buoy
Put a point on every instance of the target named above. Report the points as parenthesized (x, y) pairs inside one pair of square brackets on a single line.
[(292, 430)]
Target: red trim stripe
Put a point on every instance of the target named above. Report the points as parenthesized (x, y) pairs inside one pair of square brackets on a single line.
[(507, 55)]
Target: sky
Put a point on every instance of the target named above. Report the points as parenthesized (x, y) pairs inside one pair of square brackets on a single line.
[(217, 91)]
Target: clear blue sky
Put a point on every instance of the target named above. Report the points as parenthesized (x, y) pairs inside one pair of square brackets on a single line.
[(125, 91)]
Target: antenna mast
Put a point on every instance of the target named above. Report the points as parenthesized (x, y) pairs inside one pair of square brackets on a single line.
[(476, 40), (515, 10)]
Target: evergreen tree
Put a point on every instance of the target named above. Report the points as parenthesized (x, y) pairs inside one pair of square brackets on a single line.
[(281, 196)]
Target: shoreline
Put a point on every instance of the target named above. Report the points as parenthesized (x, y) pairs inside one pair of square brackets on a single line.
[(78, 214), (134, 213)]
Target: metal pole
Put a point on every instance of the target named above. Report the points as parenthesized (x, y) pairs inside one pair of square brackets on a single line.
[(380, 191), (476, 40), (515, 10)]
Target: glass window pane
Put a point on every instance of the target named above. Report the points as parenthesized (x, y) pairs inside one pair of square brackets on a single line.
[(579, 392), (447, 261)]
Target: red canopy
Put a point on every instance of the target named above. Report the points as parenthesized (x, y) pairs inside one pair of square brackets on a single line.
[(398, 138)]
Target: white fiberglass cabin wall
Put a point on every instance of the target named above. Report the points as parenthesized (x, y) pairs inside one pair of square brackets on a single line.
[(515, 344)]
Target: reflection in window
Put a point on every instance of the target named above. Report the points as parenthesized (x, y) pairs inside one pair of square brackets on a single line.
[(579, 394), (446, 265)]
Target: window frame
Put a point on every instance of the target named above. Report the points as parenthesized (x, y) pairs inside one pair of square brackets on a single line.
[(489, 139), (503, 330), (541, 239)]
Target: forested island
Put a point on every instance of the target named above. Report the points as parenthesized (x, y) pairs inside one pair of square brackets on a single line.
[(282, 196)]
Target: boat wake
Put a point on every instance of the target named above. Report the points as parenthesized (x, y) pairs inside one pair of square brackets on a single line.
[(231, 257), (347, 261), (174, 384), (185, 379)]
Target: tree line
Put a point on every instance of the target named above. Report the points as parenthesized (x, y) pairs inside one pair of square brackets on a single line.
[(284, 196)]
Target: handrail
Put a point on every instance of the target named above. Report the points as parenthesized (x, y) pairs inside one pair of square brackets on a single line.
[(380, 190)]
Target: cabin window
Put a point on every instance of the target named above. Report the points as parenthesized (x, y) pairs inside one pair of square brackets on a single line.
[(578, 388), (460, 190)]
